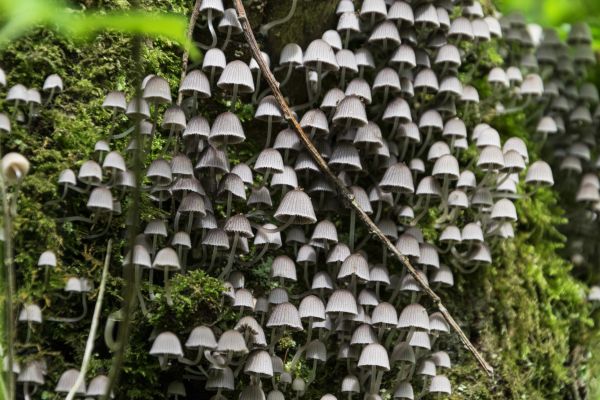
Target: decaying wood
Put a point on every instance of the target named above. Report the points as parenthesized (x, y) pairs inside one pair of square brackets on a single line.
[(345, 193)]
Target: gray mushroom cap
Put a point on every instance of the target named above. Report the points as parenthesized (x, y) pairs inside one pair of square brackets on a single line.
[(67, 380)]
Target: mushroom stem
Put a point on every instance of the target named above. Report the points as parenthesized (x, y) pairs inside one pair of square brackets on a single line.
[(211, 28), (264, 30), (269, 130), (228, 207), (352, 226), (257, 89), (288, 75), (167, 286), (227, 269), (227, 38), (233, 98)]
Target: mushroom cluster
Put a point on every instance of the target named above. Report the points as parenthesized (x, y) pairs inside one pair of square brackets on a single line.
[(565, 118), (387, 104)]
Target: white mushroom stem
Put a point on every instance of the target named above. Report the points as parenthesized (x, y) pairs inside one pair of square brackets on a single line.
[(352, 226), (257, 85), (264, 30), (167, 286), (233, 98), (288, 75), (211, 28), (227, 38), (231, 256)]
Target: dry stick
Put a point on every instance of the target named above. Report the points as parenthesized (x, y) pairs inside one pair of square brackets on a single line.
[(346, 194), (186, 54), (89, 347)]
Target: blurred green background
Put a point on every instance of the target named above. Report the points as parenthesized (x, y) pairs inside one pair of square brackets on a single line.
[(557, 13)]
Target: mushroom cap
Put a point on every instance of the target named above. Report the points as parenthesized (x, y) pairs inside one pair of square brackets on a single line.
[(374, 355), (236, 74), (296, 205), (166, 258), (67, 380), (259, 364), (166, 344), (201, 337), (285, 315)]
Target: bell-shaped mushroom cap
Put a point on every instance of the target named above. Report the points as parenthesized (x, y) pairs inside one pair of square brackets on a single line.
[(420, 339), (440, 384), (4, 123), (296, 206), (315, 120), (342, 301), (374, 355), (408, 245), (404, 390), (239, 224), (259, 364), (47, 259), (157, 90), (443, 276), (156, 227), (34, 97), (333, 38), (322, 280), (195, 82), (350, 111), (31, 373), (17, 92), (397, 179), (414, 316), (350, 384), (214, 58), (100, 199), (504, 210), (268, 109), (166, 344), (67, 380), (114, 160), (90, 172), (312, 307), (31, 313), (166, 259), (427, 368), (116, 100), (269, 160), (379, 274), (532, 85), (285, 315), (174, 119), (345, 157), (197, 126), (354, 265), (283, 267), (316, 350), (278, 295), (441, 359), (385, 33), (53, 82), (385, 315), (320, 56), (98, 387), (437, 323), (539, 173), (338, 253), (306, 255), (291, 54), (232, 341), (325, 232), (201, 337), (275, 395), (267, 237), (236, 74), (227, 129)]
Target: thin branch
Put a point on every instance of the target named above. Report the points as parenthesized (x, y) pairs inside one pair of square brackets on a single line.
[(185, 59), (346, 194), (89, 347)]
